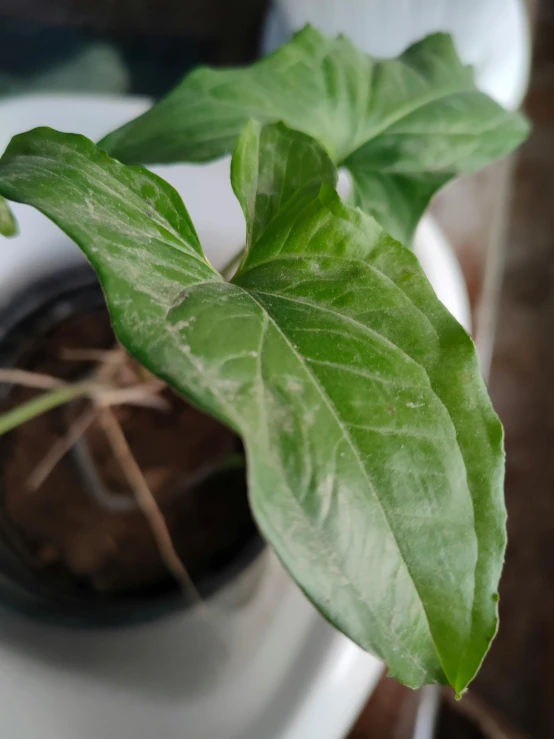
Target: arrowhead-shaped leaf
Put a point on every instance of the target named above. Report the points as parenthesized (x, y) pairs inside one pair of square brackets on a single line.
[(403, 127), (375, 460)]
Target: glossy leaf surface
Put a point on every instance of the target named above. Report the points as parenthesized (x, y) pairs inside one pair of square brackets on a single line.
[(375, 460), (403, 127)]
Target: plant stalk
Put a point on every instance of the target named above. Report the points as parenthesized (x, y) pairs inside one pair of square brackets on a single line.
[(229, 269), (43, 403)]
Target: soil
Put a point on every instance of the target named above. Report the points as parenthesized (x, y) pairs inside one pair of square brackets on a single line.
[(65, 533)]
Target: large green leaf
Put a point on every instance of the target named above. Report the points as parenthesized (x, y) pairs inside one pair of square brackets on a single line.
[(375, 459), (403, 127), (8, 225)]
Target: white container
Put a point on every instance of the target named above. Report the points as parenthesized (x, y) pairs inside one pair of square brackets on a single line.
[(283, 672), (491, 35)]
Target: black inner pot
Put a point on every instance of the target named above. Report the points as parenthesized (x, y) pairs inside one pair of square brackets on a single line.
[(65, 600)]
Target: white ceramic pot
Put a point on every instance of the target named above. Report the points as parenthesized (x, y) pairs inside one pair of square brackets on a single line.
[(264, 665), (491, 35)]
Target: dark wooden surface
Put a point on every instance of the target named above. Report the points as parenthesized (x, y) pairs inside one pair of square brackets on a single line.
[(389, 713), (518, 676)]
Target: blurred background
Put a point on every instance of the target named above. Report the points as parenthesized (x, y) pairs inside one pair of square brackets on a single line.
[(500, 223)]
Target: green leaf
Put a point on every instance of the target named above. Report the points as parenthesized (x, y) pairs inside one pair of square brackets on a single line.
[(375, 460), (8, 225), (403, 127), (138, 229), (264, 184)]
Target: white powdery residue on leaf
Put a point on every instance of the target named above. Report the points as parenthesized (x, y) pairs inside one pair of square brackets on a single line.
[(184, 323), (292, 384), (325, 491), (310, 416)]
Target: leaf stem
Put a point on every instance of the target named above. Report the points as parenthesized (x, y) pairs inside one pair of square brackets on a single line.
[(227, 270), (43, 403)]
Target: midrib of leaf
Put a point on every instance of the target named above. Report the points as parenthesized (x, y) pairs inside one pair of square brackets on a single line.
[(432, 97), (318, 530), (404, 112), (330, 552), (369, 330), (345, 317), (338, 419), (368, 91), (331, 556), (277, 256), (462, 455)]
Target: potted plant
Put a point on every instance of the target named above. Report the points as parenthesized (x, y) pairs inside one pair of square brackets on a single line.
[(374, 458)]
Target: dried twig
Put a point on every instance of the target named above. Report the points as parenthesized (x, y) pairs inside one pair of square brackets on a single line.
[(30, 379), (145, 499), (104, 356), (144, 394), (102, 394), (44, 468), (153, 514)]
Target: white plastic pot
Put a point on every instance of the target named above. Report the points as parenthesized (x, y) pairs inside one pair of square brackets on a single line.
[(264, 665), (491, 35)]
